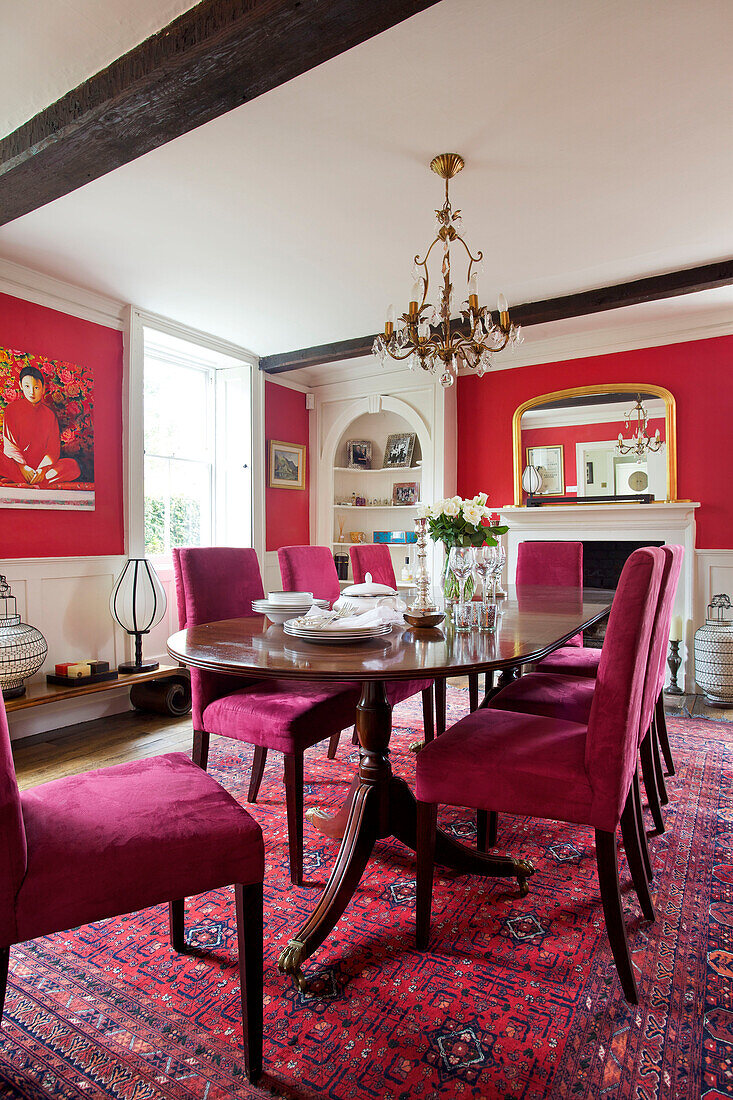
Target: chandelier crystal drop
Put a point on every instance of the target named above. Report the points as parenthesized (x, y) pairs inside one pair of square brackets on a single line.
[(641, 442), (424, 335)]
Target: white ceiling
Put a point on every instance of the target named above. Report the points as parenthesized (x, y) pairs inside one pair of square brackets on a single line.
[(596, 135)]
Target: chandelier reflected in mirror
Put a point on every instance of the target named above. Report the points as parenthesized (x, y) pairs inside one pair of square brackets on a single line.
[(426, 336), (641, 442)]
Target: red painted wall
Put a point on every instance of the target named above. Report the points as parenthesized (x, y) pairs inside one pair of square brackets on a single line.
[(287, 513), (568, 435), (26, 533), (699, 375)]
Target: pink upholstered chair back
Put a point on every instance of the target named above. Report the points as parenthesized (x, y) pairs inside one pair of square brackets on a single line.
[(660, 633), (673, 580), (552, 563), (213, 583), (309, 569), (376, 560), (13, 849), (613, 726)]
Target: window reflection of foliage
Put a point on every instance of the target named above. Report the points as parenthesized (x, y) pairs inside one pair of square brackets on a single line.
[(185, 523)]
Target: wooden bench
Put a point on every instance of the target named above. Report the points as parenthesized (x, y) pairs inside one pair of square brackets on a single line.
[(166, 689)]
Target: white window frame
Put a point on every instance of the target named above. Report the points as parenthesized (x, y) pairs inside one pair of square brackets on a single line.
[(136, 321)]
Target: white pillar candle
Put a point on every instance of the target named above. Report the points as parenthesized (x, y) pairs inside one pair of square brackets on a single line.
[(676, 631)]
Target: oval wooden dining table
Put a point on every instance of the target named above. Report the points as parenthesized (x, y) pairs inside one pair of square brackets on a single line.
[(532, 622)]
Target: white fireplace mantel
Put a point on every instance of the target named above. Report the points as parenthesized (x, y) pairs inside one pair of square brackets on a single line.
[(672, 522)]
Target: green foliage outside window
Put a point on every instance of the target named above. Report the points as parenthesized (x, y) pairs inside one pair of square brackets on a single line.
[(185, 523)]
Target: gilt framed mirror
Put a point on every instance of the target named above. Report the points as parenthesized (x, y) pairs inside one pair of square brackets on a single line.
[(615, 443)]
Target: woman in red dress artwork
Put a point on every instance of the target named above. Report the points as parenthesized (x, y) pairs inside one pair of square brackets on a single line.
[(31, 441)]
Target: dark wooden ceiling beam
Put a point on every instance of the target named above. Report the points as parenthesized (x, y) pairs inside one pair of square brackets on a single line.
[(211, 59), (650, 289)]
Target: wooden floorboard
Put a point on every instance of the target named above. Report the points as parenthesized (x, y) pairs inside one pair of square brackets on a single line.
[(99, 744)]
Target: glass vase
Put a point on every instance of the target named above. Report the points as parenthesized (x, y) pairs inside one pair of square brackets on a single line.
[(449, 583)]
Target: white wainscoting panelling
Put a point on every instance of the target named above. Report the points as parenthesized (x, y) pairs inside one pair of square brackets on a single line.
[(68, 600), (714, 574)]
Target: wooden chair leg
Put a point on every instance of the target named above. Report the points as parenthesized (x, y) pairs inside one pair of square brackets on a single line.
[(175, 924), (661, 720), (492, 830), (428, 715), (486, 825), (248, 900), (439, 706), (641, 828), (294, 802), (650, 784), (427, 817), (611, 898), (634, 858), (333, 744), (657, 761), (200, 751), (4, 960), (482, 828), (473, 691), (258, 767)]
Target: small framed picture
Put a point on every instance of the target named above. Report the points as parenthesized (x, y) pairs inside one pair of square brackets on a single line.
[(549, 462), (398, 450), (405, 492), (287, 465), (359, 454)]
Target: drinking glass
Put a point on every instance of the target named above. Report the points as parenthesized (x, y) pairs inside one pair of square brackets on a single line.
[(483, 564), (498, 567), (461, 562)]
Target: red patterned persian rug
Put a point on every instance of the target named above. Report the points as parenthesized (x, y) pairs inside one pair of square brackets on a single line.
[(517, 997)]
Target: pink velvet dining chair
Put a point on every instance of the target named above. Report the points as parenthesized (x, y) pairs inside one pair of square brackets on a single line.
[(104, 843), (561, 695), (312, 569), (551, 563), (585, 661), (214, 583), (375, 559), (581, 772)]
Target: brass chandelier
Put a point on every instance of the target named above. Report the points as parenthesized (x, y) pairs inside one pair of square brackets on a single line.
[(641, 442), (424, 335)]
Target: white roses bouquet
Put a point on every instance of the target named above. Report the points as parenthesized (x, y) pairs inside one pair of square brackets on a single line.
[(458, 522)]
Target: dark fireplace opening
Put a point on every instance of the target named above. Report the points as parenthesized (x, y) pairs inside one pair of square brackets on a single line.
[(603, 561)]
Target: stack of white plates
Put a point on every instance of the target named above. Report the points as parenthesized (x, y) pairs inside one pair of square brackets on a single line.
[(333, 633), (280, 612), (288, 599)]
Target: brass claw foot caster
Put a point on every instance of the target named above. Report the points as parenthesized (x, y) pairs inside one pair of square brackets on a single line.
[(289, 963), (415, 746), (524, 870)]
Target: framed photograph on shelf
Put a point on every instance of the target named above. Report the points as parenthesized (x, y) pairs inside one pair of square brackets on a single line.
[(398, 450), (359, 454), (287, 465), (549, 462), (405, 492)]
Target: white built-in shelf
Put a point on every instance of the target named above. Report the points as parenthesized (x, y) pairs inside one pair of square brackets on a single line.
[(380, 470), (377, 507)]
